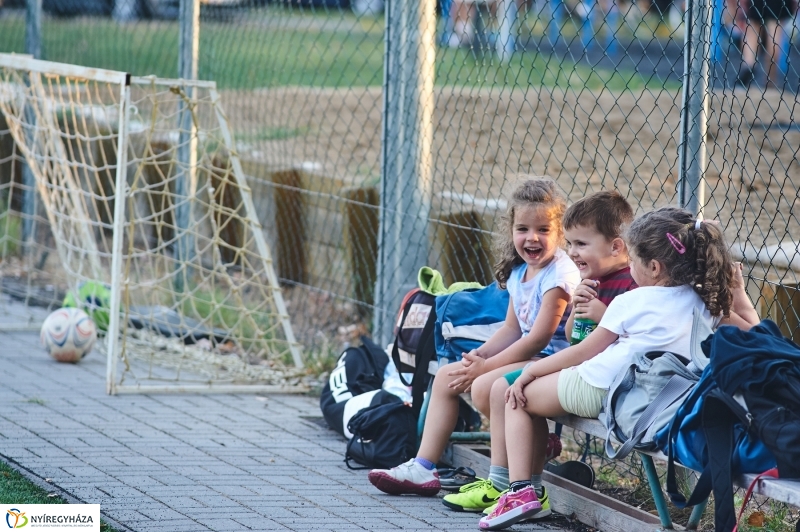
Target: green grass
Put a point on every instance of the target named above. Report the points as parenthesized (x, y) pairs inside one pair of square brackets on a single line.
[(274, 47), (273, 133), (16, 489), (10, 232)]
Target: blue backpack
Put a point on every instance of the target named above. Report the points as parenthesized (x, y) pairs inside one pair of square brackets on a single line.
[(712, 431), (466, 319)]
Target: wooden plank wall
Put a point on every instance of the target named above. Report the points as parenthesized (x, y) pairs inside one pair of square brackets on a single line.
[(325, 232)]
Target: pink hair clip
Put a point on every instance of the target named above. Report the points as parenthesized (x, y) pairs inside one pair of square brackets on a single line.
[(680, 248)]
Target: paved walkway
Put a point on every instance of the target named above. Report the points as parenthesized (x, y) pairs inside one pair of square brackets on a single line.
[(191, 462)]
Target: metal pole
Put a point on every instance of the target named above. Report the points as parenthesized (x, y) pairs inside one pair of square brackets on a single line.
[(185, 183), (33, 28), (33, 46), (406, 173), (506, 42), (694, 112)]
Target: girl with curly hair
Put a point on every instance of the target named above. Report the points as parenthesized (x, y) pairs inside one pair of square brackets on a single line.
[(540, 279)]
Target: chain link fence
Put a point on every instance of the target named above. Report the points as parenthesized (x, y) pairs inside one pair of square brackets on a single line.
[(587, 92), (370, 156)]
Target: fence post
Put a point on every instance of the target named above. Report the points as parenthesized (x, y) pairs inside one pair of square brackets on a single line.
[(694, 111), (33, 46), (406, 173), (186, 178), (507, 40)]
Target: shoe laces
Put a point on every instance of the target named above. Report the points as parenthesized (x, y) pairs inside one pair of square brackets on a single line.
[(479, 483)]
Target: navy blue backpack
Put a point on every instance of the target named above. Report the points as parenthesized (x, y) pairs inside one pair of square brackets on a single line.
[(743, 416)]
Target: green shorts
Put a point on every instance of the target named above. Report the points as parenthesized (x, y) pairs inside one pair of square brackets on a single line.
[(513, 376), (578, 396)]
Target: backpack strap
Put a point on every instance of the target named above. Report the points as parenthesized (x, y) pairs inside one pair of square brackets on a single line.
[(703, 487), (425, 353), (768, 473), (675, 387), (718, 422)]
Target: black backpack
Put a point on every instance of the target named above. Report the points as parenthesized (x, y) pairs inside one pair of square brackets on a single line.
[(383, 436), (358, 371)]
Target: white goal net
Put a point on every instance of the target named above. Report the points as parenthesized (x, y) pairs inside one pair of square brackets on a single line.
[(132, 204)]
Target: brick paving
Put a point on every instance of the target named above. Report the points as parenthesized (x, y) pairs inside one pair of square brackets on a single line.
[(191, 462)]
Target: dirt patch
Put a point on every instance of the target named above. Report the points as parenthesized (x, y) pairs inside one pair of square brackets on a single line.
[(588, 141)]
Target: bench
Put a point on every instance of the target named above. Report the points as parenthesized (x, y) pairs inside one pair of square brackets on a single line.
[(575, 499), (607, 514)]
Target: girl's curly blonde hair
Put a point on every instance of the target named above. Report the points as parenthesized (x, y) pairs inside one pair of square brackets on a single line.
[(536, 192)]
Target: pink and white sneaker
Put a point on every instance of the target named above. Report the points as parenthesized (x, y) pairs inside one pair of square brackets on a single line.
[(512, 508), (407, 478)]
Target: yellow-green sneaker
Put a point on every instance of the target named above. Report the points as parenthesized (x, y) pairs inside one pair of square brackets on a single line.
[(544, 512), (473, 497)]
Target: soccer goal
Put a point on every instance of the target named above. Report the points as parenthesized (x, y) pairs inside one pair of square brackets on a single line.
[(133, 205)]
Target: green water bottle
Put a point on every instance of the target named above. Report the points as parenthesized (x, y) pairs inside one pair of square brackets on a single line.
[(581, 327)]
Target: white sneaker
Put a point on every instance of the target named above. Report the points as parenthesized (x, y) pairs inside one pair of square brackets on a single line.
[(406, 478)]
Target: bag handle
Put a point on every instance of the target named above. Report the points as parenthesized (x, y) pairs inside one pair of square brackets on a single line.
[(768, 473), (676, 386), (348, 458)]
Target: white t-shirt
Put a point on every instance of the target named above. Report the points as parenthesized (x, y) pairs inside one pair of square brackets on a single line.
[(650, 318), (562, 273)]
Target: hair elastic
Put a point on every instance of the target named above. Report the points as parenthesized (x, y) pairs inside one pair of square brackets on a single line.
[(680, 248)]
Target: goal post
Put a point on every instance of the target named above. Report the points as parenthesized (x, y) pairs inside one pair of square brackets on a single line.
[(123, 201)]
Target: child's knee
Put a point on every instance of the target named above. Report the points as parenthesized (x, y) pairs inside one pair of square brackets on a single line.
[(441, 381), (481, 390), (499, 387)]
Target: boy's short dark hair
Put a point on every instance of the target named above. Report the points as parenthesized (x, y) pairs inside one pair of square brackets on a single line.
[(607, 211)]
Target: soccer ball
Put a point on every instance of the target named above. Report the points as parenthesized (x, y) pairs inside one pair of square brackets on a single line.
[(68, 334)]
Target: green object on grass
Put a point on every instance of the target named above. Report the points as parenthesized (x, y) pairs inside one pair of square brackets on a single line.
[(94, 298)]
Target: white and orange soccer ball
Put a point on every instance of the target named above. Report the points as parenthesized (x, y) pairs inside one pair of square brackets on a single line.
[(68, 334)]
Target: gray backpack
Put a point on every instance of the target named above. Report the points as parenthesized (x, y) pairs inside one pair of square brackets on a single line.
[(645, 395)]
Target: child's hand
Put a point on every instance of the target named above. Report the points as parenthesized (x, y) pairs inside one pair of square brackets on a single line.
[(738, 278), (585, 291), (473, 368), (592, 310), (515, 395)]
